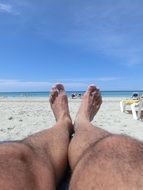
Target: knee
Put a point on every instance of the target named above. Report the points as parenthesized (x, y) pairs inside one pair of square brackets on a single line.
[(16, 151)]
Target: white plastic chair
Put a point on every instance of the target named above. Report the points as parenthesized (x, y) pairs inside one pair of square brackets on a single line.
[(135, 107)]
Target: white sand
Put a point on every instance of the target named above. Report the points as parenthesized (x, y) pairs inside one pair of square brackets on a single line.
[(22, 117)]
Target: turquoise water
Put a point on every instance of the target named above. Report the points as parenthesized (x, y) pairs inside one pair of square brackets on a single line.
[(45, 94)]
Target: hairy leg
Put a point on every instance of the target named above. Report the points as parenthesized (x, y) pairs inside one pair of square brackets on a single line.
[(100, 160), (85, 133), (39, 161)]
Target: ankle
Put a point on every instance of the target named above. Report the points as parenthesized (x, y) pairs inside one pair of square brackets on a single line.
[(81, 121), (66, 123), (64, 118)]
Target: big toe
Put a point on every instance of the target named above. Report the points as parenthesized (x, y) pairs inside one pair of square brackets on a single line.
[(60, 87), (92, 90), (54, 94)]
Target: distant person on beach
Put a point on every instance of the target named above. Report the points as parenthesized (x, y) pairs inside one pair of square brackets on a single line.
[(74, 95), (79, 95), (98, 160), (135, 95)]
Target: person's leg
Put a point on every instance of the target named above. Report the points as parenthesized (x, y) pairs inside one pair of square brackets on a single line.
[(39, 161), (85, 133), (100, 160)]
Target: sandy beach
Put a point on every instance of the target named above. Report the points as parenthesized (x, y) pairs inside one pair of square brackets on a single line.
[(22, 117)]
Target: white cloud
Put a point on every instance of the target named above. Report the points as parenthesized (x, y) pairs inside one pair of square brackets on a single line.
[(90, 79), (5, 8), (17, 85), (23, 83), (10, 8), (104, 83)]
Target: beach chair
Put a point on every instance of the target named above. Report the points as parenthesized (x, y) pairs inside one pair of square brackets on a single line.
[(136, 107)]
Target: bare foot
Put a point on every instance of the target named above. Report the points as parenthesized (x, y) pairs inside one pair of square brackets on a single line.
[(90, 105), (59, 103)]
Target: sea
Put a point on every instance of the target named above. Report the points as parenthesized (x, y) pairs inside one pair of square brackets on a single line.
[(69, 93)]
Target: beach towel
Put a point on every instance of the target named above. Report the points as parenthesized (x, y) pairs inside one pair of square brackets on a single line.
[(130, 101)]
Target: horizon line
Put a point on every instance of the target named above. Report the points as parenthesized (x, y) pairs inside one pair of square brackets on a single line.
[(70, 91)]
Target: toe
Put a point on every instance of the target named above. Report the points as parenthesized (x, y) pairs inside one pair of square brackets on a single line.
[(91, 91), (60, 87), (91, 88), (97, 96), (54, 94), (98, 100)]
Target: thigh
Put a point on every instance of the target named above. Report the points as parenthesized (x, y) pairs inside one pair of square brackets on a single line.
[(115, 163), (20, 168)]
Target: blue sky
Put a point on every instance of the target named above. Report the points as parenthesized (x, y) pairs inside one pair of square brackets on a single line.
[(75, 42)]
